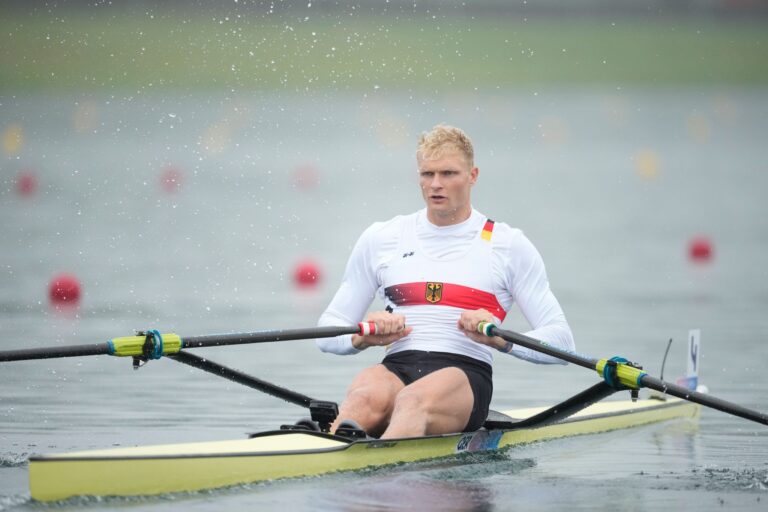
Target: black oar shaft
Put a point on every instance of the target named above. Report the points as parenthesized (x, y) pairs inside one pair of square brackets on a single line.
[(539, 346), (646, 380), (568, 407), (212, 340), (219, 340), (703, 399), (53, 352), (242, 378)]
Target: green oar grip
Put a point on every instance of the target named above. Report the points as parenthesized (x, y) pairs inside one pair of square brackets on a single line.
[(485, 328), (134, 345), (628, 376)]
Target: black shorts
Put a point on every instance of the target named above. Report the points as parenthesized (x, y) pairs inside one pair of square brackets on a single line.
[(411, 365)]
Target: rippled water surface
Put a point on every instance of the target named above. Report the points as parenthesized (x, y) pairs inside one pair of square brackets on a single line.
[(609, 185)]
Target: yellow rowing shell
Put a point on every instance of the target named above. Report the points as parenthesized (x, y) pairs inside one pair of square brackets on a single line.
[(148, 470)]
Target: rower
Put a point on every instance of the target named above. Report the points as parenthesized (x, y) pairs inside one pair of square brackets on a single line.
[(441, 271)]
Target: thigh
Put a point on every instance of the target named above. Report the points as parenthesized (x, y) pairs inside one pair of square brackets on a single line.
[(446, 397), (378, 384)]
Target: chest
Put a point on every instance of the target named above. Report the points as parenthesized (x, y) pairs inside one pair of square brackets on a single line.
[(466, 262)]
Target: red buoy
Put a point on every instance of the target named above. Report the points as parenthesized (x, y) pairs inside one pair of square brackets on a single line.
[(26, 183), (64, 288), (170, 179), (700, 249), (306, 274), (306, 177)]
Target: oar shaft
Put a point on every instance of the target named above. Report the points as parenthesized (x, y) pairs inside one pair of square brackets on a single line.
[(703, 399), (645, 380), (242, 378), (219, 340), (135, 345), (53, 352), (539, 346)]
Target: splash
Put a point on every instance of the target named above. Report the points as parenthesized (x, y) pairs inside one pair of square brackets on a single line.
[(728, 479), (13, 460)]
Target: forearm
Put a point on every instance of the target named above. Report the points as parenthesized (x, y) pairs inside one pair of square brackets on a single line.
[(557, 334), (352, 299), (537, 303), (341, 345)]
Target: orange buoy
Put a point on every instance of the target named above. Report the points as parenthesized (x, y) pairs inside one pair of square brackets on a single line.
[(64, 288), (12, 139)]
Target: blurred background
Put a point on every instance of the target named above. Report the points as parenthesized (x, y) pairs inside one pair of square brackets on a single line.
[(206, 166), (209, 151)]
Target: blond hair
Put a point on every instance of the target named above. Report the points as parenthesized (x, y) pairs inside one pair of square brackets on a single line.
[(442, 138)]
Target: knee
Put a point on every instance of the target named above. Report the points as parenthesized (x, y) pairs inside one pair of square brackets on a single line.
[(410, 400), (369, 398)]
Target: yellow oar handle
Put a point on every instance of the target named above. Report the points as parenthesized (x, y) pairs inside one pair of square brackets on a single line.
[(134, 345), (627, 376)]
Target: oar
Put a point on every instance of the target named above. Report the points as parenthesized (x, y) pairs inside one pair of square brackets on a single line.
[(619, 373), (323, 412), (154, 345)]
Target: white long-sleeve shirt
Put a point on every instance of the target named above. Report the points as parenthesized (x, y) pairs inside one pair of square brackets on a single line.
[(513, 272)]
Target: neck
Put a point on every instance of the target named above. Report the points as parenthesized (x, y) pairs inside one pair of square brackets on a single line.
[(449, 218)]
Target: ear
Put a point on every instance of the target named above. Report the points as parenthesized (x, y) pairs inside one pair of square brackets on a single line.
[(473, 175)]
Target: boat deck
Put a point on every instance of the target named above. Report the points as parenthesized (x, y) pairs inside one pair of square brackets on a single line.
[(147, 470)]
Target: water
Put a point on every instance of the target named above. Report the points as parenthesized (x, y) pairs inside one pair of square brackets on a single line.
[(609, 185)]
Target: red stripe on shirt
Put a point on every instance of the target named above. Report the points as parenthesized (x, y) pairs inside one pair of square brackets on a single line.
[(456, 295)]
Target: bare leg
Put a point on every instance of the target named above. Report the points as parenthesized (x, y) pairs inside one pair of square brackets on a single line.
[(439, 403), (370, 399)]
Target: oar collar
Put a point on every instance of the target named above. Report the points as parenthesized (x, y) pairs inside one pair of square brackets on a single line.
[(620, 373)]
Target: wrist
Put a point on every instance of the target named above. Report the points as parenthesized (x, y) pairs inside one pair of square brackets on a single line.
[(358, 342), (504, 346)]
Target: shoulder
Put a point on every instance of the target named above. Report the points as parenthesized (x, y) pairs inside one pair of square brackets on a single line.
[(512, 244), (506, 237), (386, 230), (384, 235)]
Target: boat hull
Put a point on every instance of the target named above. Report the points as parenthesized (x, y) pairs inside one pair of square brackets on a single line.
[(283, 454)]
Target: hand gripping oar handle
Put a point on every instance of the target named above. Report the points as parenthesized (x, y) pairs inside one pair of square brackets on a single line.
[(627, 375), (173, 343)]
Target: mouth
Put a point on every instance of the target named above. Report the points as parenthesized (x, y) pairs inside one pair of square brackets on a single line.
[(437, 198)]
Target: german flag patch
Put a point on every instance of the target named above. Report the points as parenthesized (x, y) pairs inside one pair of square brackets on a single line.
[(487, 230)]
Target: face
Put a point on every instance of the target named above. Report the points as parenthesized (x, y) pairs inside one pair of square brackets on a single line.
[(446, 183)]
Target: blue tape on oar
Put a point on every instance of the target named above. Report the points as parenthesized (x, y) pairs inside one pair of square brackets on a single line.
[(157, 344), (609, 372)]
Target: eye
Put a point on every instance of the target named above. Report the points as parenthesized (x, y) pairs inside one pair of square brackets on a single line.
[(426, 174)]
